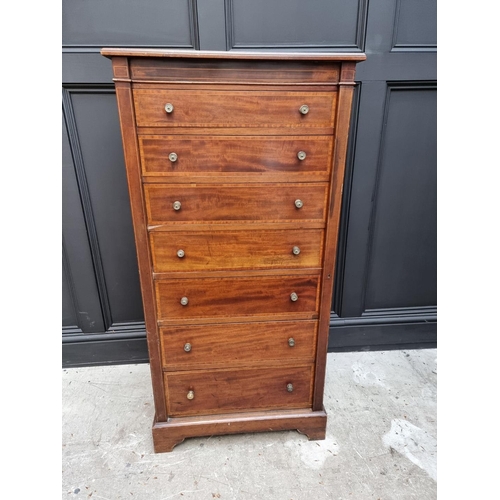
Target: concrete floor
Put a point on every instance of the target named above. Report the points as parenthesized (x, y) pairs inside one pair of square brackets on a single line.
[(380, 445)]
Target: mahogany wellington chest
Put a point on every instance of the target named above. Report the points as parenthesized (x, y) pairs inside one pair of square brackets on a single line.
[(235, 164)]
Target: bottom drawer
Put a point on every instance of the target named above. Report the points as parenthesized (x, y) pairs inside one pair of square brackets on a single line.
[(230, 390)]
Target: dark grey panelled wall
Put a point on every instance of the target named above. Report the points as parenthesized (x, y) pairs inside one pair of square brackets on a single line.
[(385, 294)]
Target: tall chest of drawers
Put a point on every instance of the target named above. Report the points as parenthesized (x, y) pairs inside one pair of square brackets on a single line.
[(235, 164)]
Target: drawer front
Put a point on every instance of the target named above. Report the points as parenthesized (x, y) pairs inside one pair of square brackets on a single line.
[(223, 297), (211, 108), (225, 250), (248, 154), (234, 71), (236, 202), (227, 391), (211, 346)]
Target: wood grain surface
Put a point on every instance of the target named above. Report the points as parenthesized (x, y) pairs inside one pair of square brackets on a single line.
[(232, 154), (234, 71), (232, 344), (343, 117), (236, 130), (166, 435), (132, 163), (233, 250), (230, 390), (236, 202), (218, 297), (233, 54), (211, 108)]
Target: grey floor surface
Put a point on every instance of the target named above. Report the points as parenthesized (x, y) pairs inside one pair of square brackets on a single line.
[(380, 444)]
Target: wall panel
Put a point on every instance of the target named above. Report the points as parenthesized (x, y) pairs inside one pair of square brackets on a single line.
[(385, 295)]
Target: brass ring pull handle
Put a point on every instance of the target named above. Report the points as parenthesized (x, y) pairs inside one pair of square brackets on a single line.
[(304, 109), (187, 347), (184, 301), (301, 155), (295, 250), (291, 342), (298, 203), (294, 297), (176, 205), (169, 107), (190, 395), (172, 157), (180, 253), (289, 387)]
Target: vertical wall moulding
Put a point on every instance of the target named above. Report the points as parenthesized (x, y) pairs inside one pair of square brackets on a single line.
[(83, 187), (429, 313)]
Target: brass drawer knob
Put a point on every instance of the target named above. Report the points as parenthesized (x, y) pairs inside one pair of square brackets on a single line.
[(294, 297), (184, 301), (291, 342), (180, 253), (298, 203), (169, 107), (289, 387), (187, 347), (301, 155), (190, 395), (304, 109), (172, 157), (295, 250), (177, 205)]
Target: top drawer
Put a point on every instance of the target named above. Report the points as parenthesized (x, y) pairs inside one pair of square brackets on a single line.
[(223, 71), (214, 108)]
